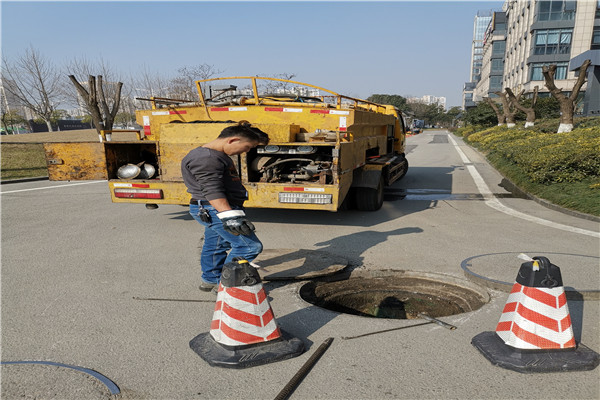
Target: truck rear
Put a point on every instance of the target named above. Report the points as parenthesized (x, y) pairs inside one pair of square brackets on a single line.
[(326, 150)]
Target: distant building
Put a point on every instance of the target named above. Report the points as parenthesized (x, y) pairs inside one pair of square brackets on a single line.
[(492, 63), (480, 24), (428, 99), (527, 35)]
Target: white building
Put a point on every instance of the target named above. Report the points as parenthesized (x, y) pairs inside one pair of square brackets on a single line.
[(530, 34)]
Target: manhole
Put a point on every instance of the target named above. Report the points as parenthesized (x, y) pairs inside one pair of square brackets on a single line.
[(396, 294)]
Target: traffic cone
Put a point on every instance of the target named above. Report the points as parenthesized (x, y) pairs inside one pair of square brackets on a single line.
[(244, 332), (534, 333)]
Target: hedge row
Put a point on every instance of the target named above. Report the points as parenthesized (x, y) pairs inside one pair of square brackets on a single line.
[(545, 157)]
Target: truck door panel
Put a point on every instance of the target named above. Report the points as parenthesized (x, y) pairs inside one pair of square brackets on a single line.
[(75, 161)]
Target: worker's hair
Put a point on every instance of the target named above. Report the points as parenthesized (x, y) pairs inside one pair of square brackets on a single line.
[(245, 130)]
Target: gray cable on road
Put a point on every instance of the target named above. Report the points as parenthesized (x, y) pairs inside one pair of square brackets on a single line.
[(188, 300)]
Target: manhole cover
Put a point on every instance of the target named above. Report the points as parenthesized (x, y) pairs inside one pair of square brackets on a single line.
[(298, 264), (396, 294)]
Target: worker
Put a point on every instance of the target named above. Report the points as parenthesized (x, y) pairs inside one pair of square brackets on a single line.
[(217, 200)]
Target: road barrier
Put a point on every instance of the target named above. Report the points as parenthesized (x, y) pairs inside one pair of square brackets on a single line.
[(535, 331)]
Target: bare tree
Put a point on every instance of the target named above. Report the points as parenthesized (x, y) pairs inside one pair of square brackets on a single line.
[(151, 84), (529, 111), (509, 112), (567, 104), (35, 83), (499, 114), (103, 115), (183, 86)]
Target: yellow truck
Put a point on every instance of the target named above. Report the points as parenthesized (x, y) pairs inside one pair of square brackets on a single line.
[(327, 151)]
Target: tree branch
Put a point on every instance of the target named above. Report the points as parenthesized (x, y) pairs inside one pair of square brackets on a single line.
[(580, 80)]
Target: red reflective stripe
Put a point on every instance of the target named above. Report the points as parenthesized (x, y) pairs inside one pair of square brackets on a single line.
[(178, 112), (569, 344), (534, 339), (537, 318), (273, 108), (540, 296), (267, 317), (319, 111), (147, 130), (140, 185), (565, 323), (510, 307), (504, 326), (242, 295), (219, 109), (239, 336), (294, 189), (242, 316), (261, 295), (562, 300), (516, 288), (343, 129), (276, 334)]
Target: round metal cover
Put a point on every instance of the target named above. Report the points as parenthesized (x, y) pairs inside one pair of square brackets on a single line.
[(297, 264), (129, 171)]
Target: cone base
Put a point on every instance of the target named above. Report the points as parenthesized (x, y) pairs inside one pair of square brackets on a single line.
[(530, 361), (218, 355)]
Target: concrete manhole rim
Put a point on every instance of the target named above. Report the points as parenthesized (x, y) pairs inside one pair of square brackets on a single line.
[(437, 278), (506, 287)]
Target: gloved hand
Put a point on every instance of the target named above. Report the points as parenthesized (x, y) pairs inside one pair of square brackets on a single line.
[(235, 222)]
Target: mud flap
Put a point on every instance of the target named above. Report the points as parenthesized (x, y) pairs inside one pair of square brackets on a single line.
[(366, 178)]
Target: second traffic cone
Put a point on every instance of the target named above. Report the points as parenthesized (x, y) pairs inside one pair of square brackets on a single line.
[(535, 333), (244, 332)]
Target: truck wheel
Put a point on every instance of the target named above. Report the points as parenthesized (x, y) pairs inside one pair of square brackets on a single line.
[(369, 199)]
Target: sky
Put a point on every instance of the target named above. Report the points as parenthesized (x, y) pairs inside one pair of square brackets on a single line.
[(353, 48)]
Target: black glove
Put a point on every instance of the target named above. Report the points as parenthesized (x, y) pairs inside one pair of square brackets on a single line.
[(235, 222)]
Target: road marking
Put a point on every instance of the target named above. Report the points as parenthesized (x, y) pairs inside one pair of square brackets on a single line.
[(494, 203), (50, 187)]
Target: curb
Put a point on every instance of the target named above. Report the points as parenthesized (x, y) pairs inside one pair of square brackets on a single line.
[(514, 188), (22, 180), (511, 186)]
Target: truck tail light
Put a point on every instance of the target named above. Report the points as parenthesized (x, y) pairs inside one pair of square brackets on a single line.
[(139, 193)]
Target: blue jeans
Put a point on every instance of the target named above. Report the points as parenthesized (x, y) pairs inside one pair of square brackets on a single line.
[(217, 242)]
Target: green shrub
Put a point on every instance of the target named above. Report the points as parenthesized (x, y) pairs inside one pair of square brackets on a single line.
[(545, 157)]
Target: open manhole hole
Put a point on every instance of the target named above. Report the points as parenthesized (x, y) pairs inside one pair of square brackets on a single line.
[(396, 294)]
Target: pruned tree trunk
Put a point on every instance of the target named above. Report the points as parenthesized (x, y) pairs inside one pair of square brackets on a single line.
[(103, 116), (567, 104), (499, 113), (509, 113), (529, 111)]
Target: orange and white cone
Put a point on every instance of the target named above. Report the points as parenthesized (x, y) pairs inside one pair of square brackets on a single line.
[(243, 316), (244, 332), (535, 333), (536, 318)]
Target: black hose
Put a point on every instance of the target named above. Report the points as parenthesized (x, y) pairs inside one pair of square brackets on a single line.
[(304, 370)]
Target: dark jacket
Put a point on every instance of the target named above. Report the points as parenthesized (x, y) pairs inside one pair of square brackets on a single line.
[(211, 174)]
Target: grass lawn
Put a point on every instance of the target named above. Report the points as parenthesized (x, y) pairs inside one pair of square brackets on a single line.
[(24, 160)]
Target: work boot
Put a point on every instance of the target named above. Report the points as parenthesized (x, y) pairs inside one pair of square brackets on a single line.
[(207, 286)]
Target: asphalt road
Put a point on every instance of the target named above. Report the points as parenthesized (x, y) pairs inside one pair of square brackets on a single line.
[(72, 263)]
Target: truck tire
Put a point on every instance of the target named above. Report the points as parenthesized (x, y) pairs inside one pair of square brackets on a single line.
[(369, 199)]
